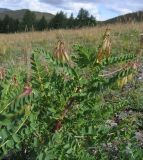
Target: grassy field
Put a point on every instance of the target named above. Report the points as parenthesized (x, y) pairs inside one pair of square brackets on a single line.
[(14, 47), (105, 121)]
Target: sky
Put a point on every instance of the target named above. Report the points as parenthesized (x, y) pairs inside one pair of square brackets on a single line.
[(101, 9)]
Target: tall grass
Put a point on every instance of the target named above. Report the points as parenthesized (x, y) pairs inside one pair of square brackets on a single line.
[(14, 47)]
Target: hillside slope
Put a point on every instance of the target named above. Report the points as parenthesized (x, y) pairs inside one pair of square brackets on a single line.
[(130, 17), (2, 10), (18, 14)]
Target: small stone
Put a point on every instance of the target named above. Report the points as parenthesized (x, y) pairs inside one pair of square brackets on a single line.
[(113, 124), (139, 136), (140, 78)]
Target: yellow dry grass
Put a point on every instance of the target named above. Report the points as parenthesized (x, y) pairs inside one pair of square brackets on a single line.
[(22, 43), (89, 33)]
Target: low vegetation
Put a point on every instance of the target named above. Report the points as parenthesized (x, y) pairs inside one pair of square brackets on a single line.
[(82, 105)]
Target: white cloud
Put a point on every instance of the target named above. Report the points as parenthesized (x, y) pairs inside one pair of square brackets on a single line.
[(34, 5), (95, 7), (74, 6), (125, 10)]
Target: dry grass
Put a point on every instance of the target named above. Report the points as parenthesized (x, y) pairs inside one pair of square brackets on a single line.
[(13, 46), (52, 35)]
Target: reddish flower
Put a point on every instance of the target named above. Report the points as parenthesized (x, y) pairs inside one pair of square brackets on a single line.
[(27, 90), (58, 126)]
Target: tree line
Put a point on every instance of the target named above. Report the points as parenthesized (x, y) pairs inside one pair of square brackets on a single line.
[(60, 20)]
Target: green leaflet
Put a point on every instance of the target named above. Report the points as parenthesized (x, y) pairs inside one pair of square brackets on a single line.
[(67, 113)]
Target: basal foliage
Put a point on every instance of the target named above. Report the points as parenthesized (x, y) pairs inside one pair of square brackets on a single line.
[(62, 112)]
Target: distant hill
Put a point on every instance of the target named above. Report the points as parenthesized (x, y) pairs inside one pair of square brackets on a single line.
[(2, 10), (131, 17), (18, 14)]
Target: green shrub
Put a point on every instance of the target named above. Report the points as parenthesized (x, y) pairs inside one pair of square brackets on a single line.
[(63, 112)]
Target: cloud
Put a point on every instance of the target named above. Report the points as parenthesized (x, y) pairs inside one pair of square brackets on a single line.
[(34, 5), (101, 9), (124, 7)]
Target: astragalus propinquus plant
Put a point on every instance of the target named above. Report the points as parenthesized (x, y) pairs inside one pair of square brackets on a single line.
[(69, 108)]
